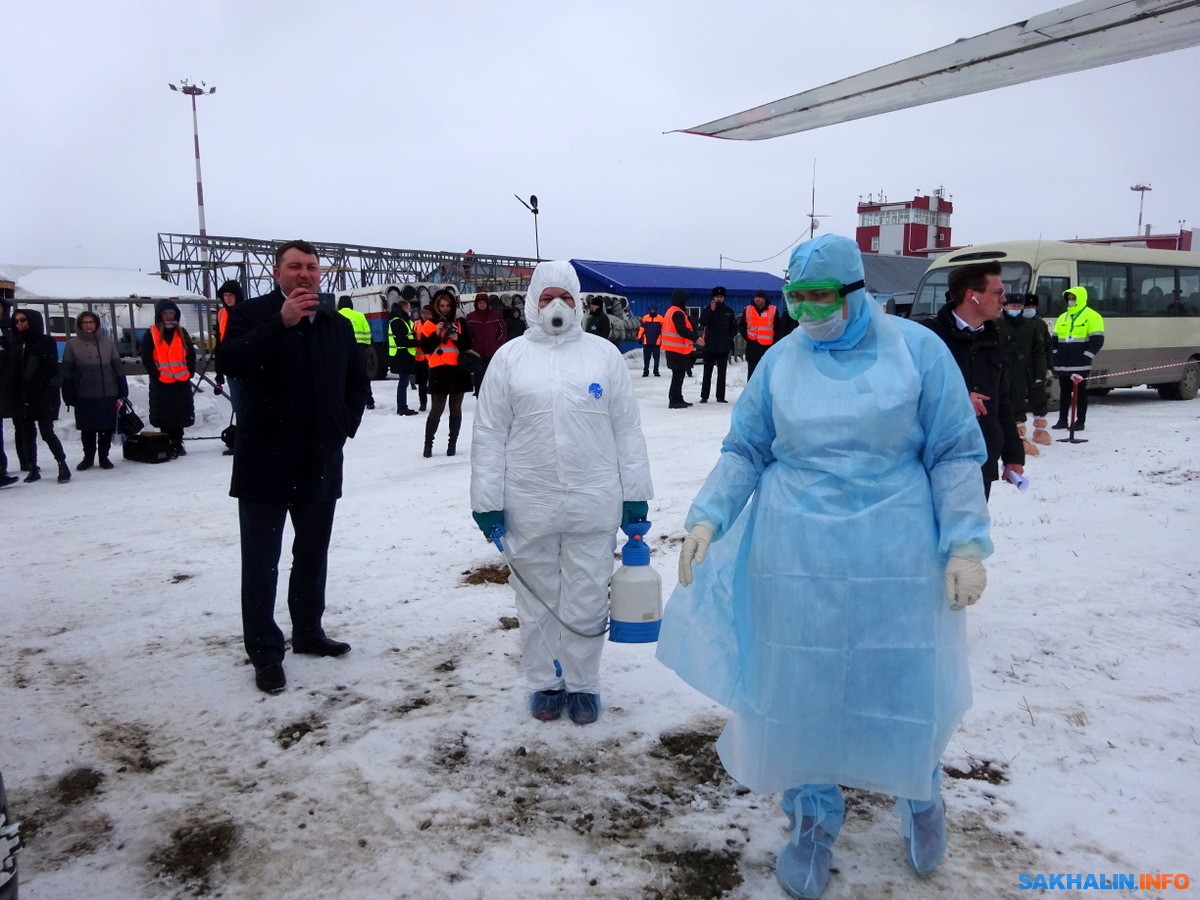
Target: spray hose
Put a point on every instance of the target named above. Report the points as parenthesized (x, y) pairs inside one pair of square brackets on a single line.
[(495, 536)]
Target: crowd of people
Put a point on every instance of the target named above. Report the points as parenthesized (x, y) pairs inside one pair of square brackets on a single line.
[(869, 442)]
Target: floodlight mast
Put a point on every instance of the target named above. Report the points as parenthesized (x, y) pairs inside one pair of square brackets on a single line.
[(193, 91)]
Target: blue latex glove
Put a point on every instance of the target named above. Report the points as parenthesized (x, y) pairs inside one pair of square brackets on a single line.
[(634, 511), (488, 520)]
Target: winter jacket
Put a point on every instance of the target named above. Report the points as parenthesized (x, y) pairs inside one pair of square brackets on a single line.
[(93, 379), (304, 389), (677, 326), (718, 327), (32, 375), (8, 341), (1026, 355), (515, 326), (171, 403), (770, 329), (488, 332), (1078, 336), (650, 331), (981, 361), (597, 323), (446, 378), (229, 287)]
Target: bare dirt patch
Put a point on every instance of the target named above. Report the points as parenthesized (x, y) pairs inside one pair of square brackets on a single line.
[(194, 851), (980, 770), (290, 735), (698, 874), (493, 573)]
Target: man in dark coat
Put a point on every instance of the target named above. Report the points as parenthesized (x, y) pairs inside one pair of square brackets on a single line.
[(967, 324), (1027, 356), (718, 324), (304, 388), (677, 337), (597, 322), (403, 345)]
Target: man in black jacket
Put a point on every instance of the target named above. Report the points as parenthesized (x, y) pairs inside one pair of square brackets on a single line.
[(718, 324), (967, 324), (304, 388)]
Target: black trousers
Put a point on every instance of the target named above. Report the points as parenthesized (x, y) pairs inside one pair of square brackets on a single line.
[(675, 391), (261, 524), (720, 360), (650, 353), (754, 352), (29, 434), (1065, 386)]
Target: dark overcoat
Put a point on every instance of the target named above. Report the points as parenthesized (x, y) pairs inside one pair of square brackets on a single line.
[(32, 372), (304, 389), (981, 361)]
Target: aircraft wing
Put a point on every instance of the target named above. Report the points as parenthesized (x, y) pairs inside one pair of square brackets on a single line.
[(1081, 36)]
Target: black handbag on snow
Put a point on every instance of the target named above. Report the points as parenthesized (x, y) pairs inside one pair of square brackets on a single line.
[(128, 421)]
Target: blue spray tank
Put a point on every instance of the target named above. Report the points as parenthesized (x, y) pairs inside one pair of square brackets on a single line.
[(635, 592)]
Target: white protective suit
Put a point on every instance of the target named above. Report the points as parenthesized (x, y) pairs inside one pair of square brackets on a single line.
[(557, 445), (849, 475)]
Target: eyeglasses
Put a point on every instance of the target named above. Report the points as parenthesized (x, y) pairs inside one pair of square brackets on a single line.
[(17, 321)]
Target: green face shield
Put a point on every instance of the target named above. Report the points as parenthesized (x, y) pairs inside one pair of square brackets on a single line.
[(815, 300)]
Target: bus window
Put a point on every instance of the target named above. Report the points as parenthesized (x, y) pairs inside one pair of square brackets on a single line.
[(1153, 289), (1106, 285), (1187, 301), (1049, 291)]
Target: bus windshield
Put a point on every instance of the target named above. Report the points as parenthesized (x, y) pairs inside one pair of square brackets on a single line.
[(931, 293)]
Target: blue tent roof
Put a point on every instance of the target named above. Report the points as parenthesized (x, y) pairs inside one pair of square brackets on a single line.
[(643, 278)]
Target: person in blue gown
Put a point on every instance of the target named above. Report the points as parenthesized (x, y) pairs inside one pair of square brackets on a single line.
[(847, 526)]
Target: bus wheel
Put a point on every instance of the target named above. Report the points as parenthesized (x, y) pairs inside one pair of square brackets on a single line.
[(1186, 387), (375, 369)]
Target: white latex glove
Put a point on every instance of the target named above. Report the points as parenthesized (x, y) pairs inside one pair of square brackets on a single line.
[(695, 547), (965, 581)]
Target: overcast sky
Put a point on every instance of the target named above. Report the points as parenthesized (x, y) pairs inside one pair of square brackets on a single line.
[(412, 124)]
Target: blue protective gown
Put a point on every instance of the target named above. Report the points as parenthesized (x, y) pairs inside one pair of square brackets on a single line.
[(819, 616)]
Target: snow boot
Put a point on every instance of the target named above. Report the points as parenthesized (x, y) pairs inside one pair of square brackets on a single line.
[(1030, 449), (35, 474), (64, 472), (105, 446), (1042, 436), (89, 451), (430, 433), (455, 424), (802, 865)]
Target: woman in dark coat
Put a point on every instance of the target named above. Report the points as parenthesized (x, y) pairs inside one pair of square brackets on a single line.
[(32, 385), (170, 361), (444, 340), (94, 383)]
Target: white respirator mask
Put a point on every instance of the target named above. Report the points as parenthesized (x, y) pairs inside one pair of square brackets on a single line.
[(556, 316), (828, 329)]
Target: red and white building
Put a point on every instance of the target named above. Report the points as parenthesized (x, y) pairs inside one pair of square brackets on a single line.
[(916, 227)]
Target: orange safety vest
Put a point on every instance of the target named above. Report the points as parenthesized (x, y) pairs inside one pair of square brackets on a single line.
[(672, 341), (170, 358), (760, 326), (447, 353), (222, 322), (641, 335)]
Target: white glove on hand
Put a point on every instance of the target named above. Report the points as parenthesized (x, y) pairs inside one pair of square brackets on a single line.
[(965, 581), (695, 547)]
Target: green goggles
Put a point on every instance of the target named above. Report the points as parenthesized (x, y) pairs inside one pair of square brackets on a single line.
[(817, 300)]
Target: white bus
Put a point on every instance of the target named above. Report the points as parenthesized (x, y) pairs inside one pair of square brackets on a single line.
[(1150, 300)]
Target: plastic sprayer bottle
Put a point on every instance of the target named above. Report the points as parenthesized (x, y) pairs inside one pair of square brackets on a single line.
[(635, 592)]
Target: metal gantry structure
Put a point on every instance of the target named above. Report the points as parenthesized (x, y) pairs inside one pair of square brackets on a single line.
[(190, 260)]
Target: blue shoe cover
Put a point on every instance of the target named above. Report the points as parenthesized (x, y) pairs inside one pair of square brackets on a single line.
[(584, 709), (923, 825), (802, 867), (547, 705)]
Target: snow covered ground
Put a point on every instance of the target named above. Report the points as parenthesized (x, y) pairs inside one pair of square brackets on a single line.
[(145, 763)]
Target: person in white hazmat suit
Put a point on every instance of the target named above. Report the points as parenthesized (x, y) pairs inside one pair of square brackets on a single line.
[(827, 613), (558, 461)]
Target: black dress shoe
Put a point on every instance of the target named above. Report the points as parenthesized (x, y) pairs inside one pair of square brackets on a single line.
[(722, 400), (270, 678), (322, 646)]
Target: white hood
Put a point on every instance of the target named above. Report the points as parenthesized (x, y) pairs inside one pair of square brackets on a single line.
[(560, 274)]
